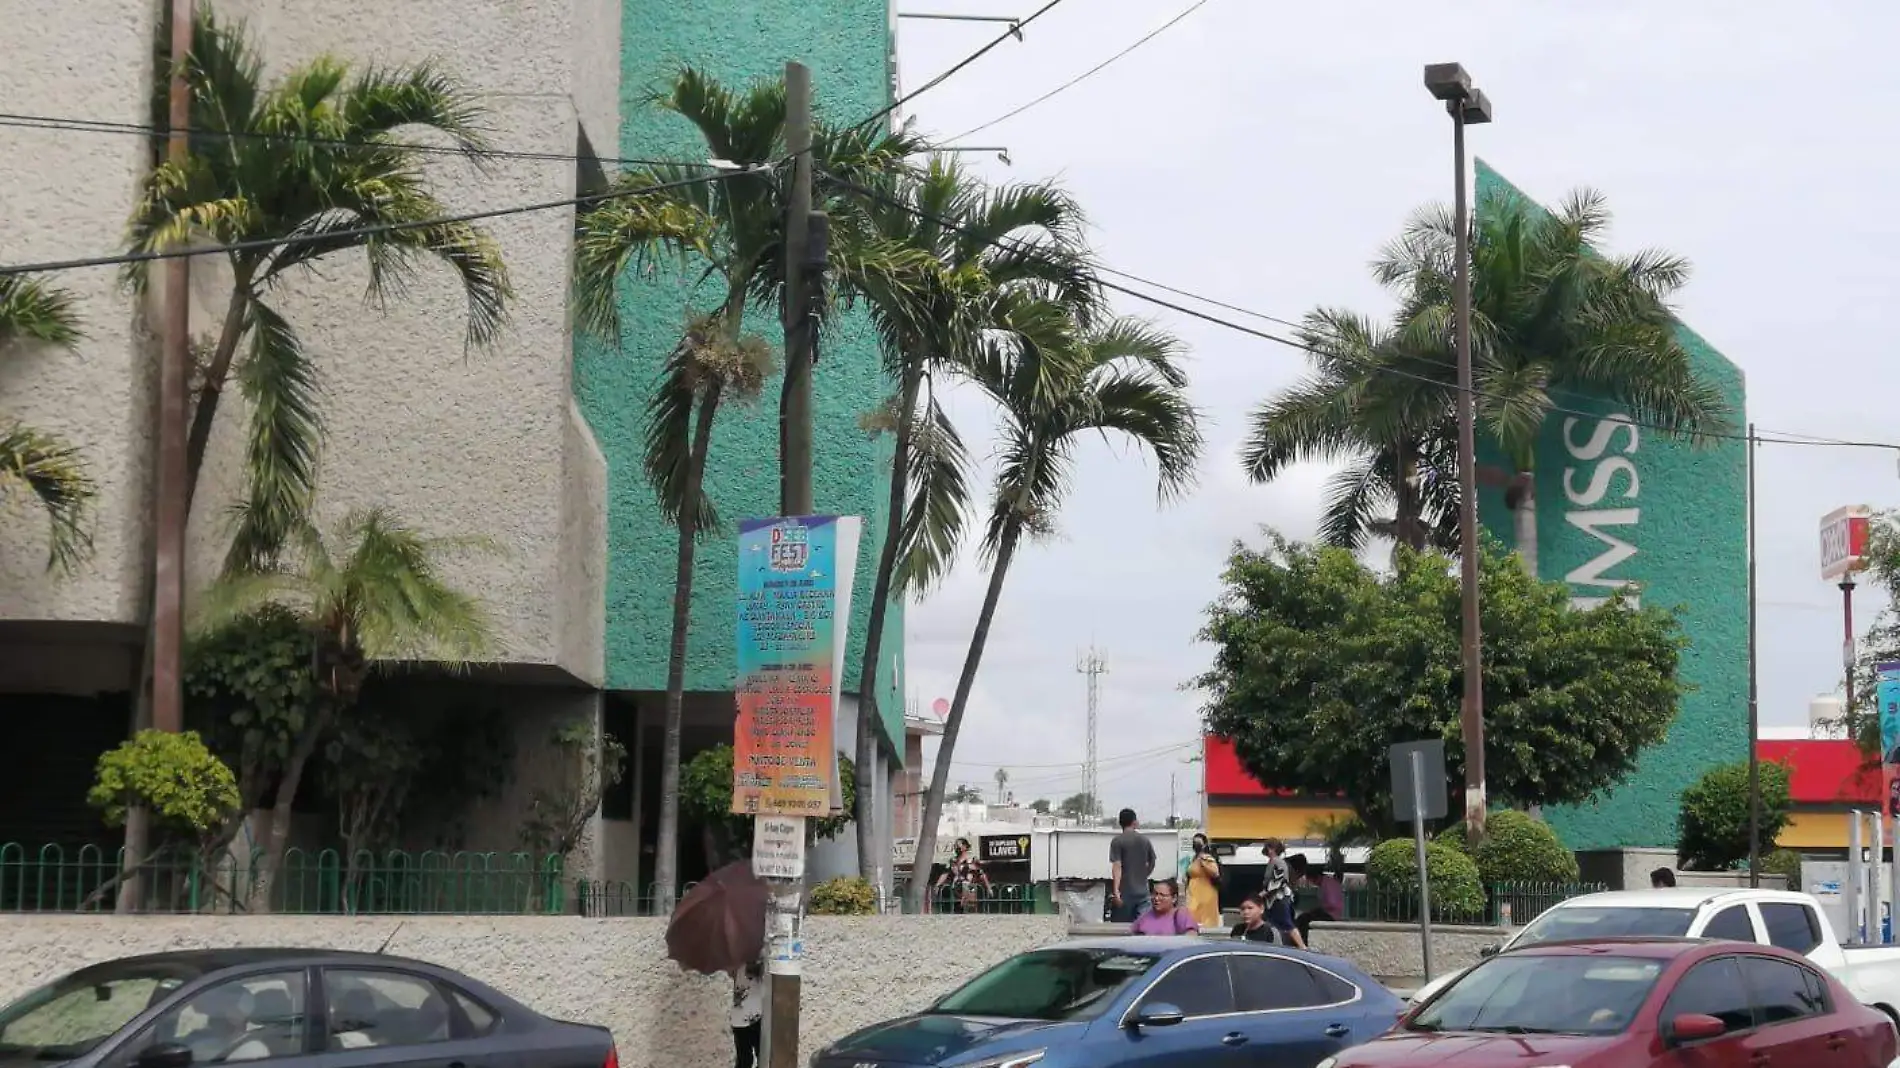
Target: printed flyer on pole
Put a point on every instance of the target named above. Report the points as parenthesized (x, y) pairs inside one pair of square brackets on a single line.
[(795, 576), (1887, 698)]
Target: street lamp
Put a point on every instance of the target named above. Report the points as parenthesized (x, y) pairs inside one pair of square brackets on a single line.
[(1467, 105)]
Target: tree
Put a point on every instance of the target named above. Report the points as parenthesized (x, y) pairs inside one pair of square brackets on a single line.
[(187, 790), (1881, 644), (43, 465), (1714, 816), (373, 591), (251, 690), (706, 798), (979, 251), (735, 225), (590, 765), (1552, 319), (1078, 805), (1040, 806), (1121, 378), (967, 795), (1308, 643)]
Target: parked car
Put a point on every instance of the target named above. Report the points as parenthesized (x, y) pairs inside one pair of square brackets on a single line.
[(329, 1009), (1127, 1001), (1638, 1003), (1792, 921)]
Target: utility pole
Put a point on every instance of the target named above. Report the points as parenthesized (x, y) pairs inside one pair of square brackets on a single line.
[(1754, 707), (1467, 105), (1091, 664)]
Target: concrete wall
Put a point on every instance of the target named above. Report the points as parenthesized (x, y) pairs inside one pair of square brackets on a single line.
[(1393, 952), (858, 970)]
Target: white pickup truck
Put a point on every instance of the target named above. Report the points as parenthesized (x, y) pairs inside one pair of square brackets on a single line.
[(1771, 917)]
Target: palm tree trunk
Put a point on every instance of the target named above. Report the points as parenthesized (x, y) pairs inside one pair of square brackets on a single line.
[(869, 849), (666, 860), (940, 774), (1524, 522)]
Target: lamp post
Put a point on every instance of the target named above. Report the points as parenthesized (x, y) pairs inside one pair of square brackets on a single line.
[(1467, 105)]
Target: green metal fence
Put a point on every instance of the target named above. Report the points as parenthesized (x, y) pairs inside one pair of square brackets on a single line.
[(86, 879), (1505, 904)]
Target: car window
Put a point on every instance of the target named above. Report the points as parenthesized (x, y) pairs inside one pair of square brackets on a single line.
[(1589, 922), (1782, 990), (481, 1019), (1531, 993), (1731, 924), (250, 1019), (1049, 984), (1713, 988), (1265, 983), (1791, 926), (1198, 987), (68, 1018), (374, 1008)]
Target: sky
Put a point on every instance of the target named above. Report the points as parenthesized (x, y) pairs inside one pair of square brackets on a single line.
[(1261, 153)]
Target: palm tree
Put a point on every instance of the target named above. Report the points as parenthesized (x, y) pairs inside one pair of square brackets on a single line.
[(1552, 320), (41, 464), (1121, 377), (735, 225), (1381, 408), (373, 591), (981, 248), (302, 166)]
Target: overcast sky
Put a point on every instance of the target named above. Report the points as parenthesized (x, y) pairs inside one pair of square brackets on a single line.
[(1260, 153)]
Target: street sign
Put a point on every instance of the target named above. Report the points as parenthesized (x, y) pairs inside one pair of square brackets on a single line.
[(1431, 792), (778, 847), (1844, 542)]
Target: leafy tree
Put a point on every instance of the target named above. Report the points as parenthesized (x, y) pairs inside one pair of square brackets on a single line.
[(175, 777), (1785, 863), (251, 690), (589, 765), (1517, 848), (1308, 643), (1077, 805), (1713, 823), (1121, 377), (706, 798), (1040, 806), (1881, 644), (372, 591), (734, 226), (43, 465), (1392, 875), (966, 794)]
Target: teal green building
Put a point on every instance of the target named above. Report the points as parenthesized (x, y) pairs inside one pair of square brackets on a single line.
[(1625, 506)]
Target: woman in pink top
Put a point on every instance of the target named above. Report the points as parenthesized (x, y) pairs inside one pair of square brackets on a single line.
[(1163, 917)]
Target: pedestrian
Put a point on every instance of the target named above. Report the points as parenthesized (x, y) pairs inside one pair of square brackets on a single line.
[(1253, 925), (965, 877), (1278, 893), (1203, 885), (1164, 917), (1302, 874), (748, 1009), (1131, 863), (1662, 879)]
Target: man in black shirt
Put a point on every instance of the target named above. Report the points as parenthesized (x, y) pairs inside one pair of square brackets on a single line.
[(1131, 863)]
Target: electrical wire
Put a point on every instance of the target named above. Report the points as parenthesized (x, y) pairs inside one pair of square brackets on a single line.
[(1772, 438), (133, 129), (1085, 75), (122, 259), (1157, 751), (1014, 31)]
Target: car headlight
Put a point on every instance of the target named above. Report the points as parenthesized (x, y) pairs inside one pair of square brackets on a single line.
[(1011, 1060)]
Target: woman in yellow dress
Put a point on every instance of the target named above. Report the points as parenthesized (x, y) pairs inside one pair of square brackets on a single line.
[(1203, 885)]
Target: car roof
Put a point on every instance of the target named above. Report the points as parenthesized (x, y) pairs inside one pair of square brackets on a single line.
[(1178, 947), (199, 962), (1679, 897)]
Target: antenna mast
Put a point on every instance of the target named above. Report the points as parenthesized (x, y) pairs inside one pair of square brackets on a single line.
[(1091, 665)]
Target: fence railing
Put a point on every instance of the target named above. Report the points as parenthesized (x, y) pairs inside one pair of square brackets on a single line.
[(1505, 904)]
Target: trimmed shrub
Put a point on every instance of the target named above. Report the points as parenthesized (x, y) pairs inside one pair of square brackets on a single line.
[(1714, 816), (1517, 849), (847, 895), (1784, 862), (1392, 876)]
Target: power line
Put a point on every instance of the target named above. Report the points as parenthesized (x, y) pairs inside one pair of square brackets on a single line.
[(133, 129), (1772, 438), (1157, 751), (1014, 31), (363, 231), (1085, 75)]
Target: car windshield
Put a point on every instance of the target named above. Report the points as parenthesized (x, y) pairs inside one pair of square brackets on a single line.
[(1539, 994), (1588, 923), (67, 1018), (1049, 984)]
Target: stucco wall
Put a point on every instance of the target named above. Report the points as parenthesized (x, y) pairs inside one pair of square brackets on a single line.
[(845, 44), (1690, 539), (614, 972)]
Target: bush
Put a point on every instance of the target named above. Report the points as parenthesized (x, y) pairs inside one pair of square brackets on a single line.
[(1713, 823), (847, 895), (1516, 849), (174, 776), (1457, 889), (1784, 862)]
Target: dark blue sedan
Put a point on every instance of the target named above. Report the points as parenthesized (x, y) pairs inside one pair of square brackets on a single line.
[(1128, 1002)]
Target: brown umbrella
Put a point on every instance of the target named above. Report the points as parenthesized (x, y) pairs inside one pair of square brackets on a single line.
[(720, 924)]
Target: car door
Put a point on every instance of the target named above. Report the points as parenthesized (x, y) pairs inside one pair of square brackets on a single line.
[(1732, 924), (1796, 1024), (1209, 1034), (259, 1017), (1715, 988), (396, 1018), (1293, 1015)]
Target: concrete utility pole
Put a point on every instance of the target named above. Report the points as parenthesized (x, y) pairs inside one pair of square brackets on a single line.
[(1754, 706), (1467, 105)]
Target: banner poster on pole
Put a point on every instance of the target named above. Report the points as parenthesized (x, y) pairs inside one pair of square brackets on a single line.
[(794, 614), (1887, 698)]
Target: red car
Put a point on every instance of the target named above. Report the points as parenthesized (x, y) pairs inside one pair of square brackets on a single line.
[(1636, 1003)]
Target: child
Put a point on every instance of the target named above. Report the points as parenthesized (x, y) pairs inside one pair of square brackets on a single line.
[(1253, 925), (748, 1008), (1278, 893)]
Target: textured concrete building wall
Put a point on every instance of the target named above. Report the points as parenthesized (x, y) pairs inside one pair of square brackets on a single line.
[(858, 970), (1683, 510), (845, 44), (66, 194), (581, 592)]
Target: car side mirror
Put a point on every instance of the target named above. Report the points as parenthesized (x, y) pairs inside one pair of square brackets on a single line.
[(1159, 1014), (1491, 950), (1693, 1027), (165, 1055)]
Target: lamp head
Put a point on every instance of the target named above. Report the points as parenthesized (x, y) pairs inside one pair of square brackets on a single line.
[(1447, 81)]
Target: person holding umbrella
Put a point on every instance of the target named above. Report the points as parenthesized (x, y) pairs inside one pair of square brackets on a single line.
[(748, 1009)]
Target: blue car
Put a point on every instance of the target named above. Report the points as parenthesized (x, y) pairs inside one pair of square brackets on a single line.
[(1137, 1003)]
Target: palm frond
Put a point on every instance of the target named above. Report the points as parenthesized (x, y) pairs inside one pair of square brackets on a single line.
[(54, 474), (279, 380), (382, 100), (627, 231), (33, 310), (937, 513)]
